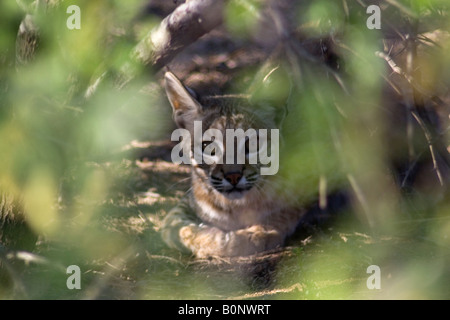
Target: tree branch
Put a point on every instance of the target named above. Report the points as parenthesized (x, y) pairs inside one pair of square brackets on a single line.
[(182, 27)]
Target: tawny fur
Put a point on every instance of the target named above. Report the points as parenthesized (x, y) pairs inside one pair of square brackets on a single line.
[(211, 221)]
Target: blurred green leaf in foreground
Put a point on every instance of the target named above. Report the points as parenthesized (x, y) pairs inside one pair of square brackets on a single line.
[(356, 102)]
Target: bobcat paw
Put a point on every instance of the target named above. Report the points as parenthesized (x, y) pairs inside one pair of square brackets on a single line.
[(258, 238), (203, 241), (187, 233), (206, 241)]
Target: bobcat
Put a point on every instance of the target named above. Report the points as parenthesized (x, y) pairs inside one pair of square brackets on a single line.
[(231, 209)]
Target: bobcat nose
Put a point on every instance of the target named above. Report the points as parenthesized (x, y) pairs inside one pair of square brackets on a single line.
[(233, 177)]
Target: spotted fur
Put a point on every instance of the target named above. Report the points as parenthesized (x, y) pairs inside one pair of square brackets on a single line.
[(230, 210)]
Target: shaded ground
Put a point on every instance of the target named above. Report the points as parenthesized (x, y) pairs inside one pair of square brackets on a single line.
[(326, 259)]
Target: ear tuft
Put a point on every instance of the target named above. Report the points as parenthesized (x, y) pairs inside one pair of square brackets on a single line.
[(184, 106)]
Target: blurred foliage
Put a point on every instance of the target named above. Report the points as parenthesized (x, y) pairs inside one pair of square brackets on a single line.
[(52, 135), (242, 17), (62, 161)]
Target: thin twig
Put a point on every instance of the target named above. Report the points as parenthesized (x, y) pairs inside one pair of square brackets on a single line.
[(395, 68), (430, 146), (361, 197), (403, 8), (19, 286), (114, 267)]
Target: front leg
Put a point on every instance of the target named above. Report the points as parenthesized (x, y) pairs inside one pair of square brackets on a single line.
[(179, 217), (205, 241)]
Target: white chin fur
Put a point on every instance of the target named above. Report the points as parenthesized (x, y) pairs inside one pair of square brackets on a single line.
[(235, 195)]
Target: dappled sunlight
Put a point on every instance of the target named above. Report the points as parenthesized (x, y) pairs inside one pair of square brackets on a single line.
[(86, 169)]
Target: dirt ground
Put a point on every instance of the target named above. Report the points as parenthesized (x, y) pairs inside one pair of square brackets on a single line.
[(328, 258), (322, 261)]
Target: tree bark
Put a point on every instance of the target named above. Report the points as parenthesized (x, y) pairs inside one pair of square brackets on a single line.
[(182, 27)]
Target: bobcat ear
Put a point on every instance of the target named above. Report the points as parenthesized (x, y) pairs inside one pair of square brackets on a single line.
[(185, 107)]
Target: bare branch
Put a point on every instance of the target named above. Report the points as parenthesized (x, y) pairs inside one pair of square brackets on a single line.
[(431, 147), (182, 27)]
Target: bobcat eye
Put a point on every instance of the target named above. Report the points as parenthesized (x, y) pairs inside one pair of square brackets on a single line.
[(247, 144), (205, 144)]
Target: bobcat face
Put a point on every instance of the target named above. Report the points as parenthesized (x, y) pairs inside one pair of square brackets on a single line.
[(232, 209), (221, 162), (232, 179)]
